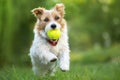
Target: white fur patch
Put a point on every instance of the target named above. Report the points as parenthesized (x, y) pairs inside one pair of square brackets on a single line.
[(42, 53)]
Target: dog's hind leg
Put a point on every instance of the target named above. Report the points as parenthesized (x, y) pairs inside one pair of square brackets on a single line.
[(52, 69)]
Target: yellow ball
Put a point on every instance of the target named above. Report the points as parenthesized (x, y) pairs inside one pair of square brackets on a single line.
[(53, 34)]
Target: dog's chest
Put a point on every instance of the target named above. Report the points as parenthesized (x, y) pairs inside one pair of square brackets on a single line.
[(55, 50)]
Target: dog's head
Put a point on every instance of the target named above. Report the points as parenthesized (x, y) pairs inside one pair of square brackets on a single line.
[(50, 19)]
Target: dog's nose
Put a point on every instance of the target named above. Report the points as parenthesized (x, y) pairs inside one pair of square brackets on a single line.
[(53, 26)]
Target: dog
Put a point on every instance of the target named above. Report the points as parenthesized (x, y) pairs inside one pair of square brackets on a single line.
[(46, 55)]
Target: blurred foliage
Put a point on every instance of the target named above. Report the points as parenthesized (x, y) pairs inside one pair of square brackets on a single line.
[(90, 22), (97, 55)]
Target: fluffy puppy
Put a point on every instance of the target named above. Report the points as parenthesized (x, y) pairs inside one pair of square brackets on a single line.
[(48, 54)]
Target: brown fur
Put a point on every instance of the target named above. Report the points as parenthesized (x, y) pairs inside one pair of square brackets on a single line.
[(42, 14)]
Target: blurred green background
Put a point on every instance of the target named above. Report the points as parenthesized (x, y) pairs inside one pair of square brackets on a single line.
[(93, 27), (94, 38)]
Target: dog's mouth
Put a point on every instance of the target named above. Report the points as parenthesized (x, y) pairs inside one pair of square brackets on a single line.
[(53, 42)]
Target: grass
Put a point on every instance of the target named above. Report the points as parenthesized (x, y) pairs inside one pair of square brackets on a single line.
[(92, 65), (98, 71)]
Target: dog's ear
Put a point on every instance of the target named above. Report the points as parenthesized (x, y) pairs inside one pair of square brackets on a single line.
[(38, 11), (60, 8)]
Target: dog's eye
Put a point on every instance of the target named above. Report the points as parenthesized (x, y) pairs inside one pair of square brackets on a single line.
[(46, 19), (57, 17)]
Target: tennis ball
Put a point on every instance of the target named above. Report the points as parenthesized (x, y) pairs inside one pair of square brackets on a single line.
[(54, 34)]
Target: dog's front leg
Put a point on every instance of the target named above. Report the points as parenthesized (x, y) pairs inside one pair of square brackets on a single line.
[(46, 57), (64, 61)]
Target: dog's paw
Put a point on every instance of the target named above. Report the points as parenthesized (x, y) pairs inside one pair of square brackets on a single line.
[(64, 68), (53, 60), (46, 61)]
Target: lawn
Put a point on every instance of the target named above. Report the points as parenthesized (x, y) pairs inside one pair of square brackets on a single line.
[(97, 71), (100, 64)]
